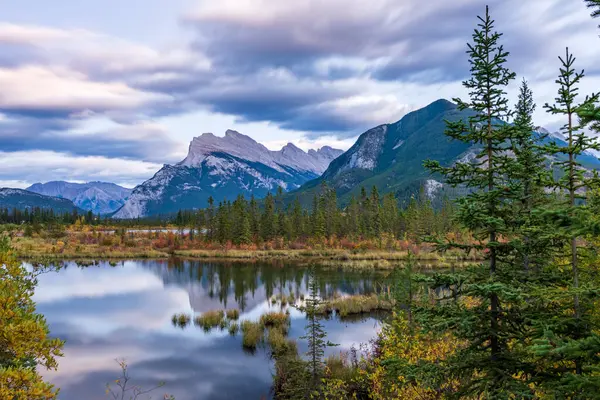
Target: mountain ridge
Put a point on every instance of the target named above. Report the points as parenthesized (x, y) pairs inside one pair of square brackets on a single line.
[(22, 199), (223, 168), (96, 196), (390, 157)]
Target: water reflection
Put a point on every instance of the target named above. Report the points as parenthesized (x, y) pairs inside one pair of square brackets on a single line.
[(106, 312)]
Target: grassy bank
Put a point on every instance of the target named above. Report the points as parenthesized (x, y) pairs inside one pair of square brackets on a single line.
[(327, 256), (62, 249), (97, 245)]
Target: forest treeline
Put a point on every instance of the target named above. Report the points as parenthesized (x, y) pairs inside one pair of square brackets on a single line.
[(370, 216)]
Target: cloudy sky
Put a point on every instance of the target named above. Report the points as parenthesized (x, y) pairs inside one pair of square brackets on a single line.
[(111, 90)]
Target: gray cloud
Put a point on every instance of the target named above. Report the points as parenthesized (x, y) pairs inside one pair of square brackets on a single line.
[(301, 66), (144, 142)]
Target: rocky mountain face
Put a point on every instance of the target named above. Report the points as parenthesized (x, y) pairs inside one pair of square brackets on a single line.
[(390, 157), (224, 167), (98, 197), (23, 199)]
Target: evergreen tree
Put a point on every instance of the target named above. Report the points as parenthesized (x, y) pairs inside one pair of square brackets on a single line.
[(353, 218), (210, 219), (532, 173), (315, 332), (242, 233), (574, 178), (317, 218), (297, 220), (254, 218), (267, 222), (375, 213), (490, 364), (567, 340)]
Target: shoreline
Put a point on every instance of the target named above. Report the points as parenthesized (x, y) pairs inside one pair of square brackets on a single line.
[(365, 259)]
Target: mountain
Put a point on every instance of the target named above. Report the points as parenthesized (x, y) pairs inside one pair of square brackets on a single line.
[(390, 157), (224, 167), (23, 199), (98, 197)]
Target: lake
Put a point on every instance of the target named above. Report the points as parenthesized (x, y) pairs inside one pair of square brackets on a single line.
[(123, 311)]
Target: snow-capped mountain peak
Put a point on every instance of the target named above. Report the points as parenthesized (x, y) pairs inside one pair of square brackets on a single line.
[(224, 167), (244, 147)]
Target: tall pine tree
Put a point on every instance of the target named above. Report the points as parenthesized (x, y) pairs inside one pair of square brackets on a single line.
[(486, 316), (567, 342)]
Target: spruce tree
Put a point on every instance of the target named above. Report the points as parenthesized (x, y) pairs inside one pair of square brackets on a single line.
[(578, 142), (210, 219), (297, 220), (315, 332), (567, 342), (533, 176), (242, 232), (486, 316), (254, 217), (317, 218), (267, 222)]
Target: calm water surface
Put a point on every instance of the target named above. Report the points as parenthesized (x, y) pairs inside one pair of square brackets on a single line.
[(105, 312)]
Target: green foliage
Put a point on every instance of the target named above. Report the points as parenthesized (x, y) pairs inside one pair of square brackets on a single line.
[(490, 321), (25, 345), (564, 328)]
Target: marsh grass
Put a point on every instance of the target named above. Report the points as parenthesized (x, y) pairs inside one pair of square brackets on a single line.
[(233, 314), (252, 334), (234, 328), (97, 245), (279, 343), (359, 304), (180, 320), (210, 319), (366, 259), (276, 319)]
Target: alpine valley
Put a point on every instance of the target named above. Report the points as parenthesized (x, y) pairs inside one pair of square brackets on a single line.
[(223, 168)]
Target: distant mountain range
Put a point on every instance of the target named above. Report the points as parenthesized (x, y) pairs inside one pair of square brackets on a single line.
[(98, 197), (389, 157), (23, 199), (225, 167)]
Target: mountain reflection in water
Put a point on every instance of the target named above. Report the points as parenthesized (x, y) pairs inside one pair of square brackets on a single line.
[(124, 310)]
